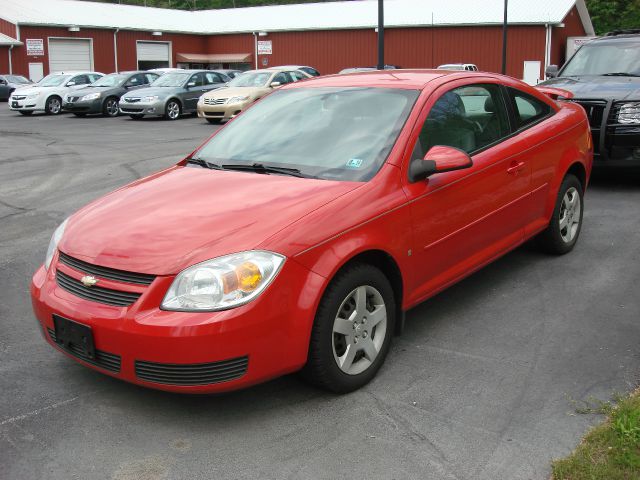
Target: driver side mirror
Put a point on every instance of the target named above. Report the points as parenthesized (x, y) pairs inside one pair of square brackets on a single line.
[(551, 71), (191, 84), (439, 159), (3, 81), (275, 84), (71, 84)]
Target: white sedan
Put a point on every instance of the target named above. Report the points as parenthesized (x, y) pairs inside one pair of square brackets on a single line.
[(46, 95)]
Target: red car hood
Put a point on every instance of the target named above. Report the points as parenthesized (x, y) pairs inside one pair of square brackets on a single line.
[(182, 216)]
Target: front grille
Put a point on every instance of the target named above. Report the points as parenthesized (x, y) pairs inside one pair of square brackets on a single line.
[(108, 361), (126, 109), (105, 272), (215, 101), (19, 97), (595, 110), (96, 294), (132, 99), (192, 374)]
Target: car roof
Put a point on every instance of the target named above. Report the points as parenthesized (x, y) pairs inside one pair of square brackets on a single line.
[(612, 38), (407, 79)]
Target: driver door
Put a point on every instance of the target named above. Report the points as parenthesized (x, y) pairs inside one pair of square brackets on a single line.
[(465, 218), (193, 91)]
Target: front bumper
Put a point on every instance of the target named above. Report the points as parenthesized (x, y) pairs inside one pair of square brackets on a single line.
[(615, 144), (140, 108), (142, 344), (22, 103), (90, 106), (221, 112)]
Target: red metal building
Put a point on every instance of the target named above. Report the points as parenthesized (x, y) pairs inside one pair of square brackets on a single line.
[(54, 35)]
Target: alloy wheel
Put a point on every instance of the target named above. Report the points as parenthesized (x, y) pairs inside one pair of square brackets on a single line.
[(570, 214), (359, 330), (112, 107), (54, 106), (173, 110)]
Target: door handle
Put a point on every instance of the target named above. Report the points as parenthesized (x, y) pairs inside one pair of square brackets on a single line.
[(515, 168)]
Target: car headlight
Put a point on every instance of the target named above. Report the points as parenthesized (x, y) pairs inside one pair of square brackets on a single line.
[(91, 96), (223, 282), (629, 113), (151, 98), (53, 243), (237, 99)]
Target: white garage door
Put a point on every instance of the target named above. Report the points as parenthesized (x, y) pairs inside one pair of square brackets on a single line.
[(70, 54), (153, 52)]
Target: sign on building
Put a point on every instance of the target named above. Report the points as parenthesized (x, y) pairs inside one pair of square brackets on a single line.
[(573, 43), (35, 47), (265, 47)]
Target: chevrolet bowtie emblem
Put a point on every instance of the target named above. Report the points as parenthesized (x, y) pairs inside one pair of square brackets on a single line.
[(89, 280)]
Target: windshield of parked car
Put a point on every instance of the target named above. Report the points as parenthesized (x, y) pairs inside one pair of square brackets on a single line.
[(604, 58), (171, 80), (251, 80), (113, 80), (53, 80), (16, 79), (334, 133)]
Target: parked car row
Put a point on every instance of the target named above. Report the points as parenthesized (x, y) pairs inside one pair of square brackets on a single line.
[(163, 92)]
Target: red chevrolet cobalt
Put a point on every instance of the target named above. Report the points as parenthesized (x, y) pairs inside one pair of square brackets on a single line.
[(297, 236)]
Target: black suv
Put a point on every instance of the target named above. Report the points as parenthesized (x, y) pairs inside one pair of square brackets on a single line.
[(604, 76)]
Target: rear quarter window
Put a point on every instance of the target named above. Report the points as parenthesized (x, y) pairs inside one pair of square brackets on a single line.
[(527, 109)]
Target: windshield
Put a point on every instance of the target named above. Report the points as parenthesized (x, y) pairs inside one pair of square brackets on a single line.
[(53, 80), (17, 79), (340, 133), (113, 80), (171, 80), (603, 58), (251, 80)]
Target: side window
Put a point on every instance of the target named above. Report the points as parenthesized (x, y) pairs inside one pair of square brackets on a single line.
[(469, 118), (80, 80), (150, 78), (527, 109), (136, 80), (196, 80), (282, 78), (94, 78), (296, 76), (212, 78)]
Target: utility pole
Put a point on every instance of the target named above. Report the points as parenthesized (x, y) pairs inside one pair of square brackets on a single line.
[(380, 34), (504, 40)]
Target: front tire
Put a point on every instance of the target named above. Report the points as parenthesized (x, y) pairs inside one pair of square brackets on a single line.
[(352, 330), (563, 231), (53, 106), (111, 107), (173, 110)]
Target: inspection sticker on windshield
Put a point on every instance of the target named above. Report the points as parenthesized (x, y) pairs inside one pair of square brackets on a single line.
[(355, 163)]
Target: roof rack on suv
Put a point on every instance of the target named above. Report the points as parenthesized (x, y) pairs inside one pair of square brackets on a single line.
[(630, 31)]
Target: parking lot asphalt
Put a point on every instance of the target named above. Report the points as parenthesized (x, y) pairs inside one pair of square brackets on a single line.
[(479, 386)]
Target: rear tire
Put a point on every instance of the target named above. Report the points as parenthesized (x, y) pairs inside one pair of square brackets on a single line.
[(352, 330), (26, 113), (110, 107), (563, 231), (53, 106)]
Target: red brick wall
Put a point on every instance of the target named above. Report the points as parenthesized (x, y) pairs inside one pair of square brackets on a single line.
[(4, 60)]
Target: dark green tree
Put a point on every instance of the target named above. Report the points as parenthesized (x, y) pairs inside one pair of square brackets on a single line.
[(608, 15)]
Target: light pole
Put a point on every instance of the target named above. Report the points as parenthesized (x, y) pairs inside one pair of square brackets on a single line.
[(380, 35), (504, 40)]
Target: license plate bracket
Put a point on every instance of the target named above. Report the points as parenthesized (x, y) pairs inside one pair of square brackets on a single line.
[(74, 336)]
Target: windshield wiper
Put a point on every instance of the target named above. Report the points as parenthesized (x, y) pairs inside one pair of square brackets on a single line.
[(266, 169), (203, 163), (620, 74)]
